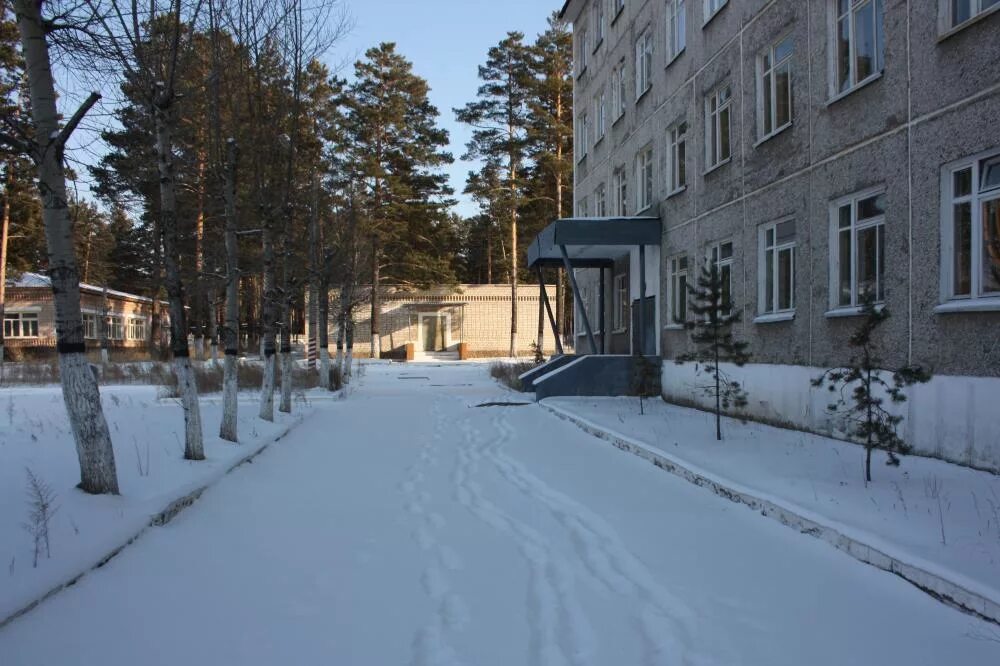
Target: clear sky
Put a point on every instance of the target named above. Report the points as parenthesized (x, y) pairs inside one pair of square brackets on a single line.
[(446, 40)]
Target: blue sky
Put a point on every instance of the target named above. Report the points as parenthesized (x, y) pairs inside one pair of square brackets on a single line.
[(446, 40)]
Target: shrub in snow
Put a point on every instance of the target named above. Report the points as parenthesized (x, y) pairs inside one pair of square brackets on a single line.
[(41, 508), (712, 334), (861, 386), (644, 376)]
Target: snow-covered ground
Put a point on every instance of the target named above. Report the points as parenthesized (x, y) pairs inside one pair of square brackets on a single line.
[(148, 436), (942, 517), (406, 525)]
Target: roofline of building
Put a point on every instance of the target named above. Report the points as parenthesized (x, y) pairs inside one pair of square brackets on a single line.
[(91, 288), (562, 12)]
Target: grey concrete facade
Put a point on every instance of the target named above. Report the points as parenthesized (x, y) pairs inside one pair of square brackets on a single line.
[(934, 99)]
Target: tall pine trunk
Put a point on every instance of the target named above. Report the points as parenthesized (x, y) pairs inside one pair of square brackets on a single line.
[(200, 305), (376, 310), (230, 379), (268, 325), (4, 231), (79, 386), (186, 386)]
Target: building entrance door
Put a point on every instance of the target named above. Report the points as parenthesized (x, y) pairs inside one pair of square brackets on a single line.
[(434, 332)]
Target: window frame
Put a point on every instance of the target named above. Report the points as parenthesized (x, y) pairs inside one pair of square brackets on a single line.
[(22, 317), (598, 23), (135, 323), (836, 307), (583, 52), (676, 292), (91, 325), (619, 91), (676, 24), (644, 63), (583, 136), (600, 115), (977, 297), (619, 303), (619, 8), (712, 8), (601, 200), (714, 257), (713, 121), (676, 175), (837, 90), (644, 178), (777, 248), (116, 327), (946, 19), (619, 180), (771, 90)]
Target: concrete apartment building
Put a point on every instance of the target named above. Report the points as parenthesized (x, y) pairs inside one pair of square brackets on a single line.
[(815, 150)]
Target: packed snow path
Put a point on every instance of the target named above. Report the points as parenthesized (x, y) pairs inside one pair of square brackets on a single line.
[(406, 525)]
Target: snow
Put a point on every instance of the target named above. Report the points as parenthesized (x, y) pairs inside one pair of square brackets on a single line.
[(405, 525), (934, 514), (34, 433), (37, 280)]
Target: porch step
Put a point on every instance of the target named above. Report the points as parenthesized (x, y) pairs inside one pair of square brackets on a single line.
[(529, 377), (596, 375)]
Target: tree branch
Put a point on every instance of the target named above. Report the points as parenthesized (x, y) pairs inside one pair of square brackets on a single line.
[(75, 120)]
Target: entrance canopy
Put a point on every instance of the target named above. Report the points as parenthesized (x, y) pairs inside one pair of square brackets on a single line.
[(591, 242)]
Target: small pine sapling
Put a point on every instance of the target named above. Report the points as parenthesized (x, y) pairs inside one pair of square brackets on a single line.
[(41, 508), (644, 380), (860, 384), (536, 352), (712, 333)]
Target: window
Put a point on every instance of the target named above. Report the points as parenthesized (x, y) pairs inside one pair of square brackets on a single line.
[(971, 229), (676, 150), (20, 325), (620, 185), (774, 88), (619, 7), (643, 64), (583, 51), (601, 201), (90, 326), (776, 269), (582, 136), (581, 208), (619, 303), (858, 31), (598, 14), (116, 328), (717, 126), (720, 256), (960, 11), (858, 265), (678, 290), (676, 28), (599, 116), (136, 328), (644, 178), (618, 91), (712, 8)]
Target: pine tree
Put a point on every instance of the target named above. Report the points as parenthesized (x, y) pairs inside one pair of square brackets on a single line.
[(861, 386), (712, 334), (500, 120)]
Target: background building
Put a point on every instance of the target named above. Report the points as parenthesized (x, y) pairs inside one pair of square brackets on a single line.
[(815, 150)]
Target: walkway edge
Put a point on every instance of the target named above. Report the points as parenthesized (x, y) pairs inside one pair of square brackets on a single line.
[(169, 512), (935, 584)]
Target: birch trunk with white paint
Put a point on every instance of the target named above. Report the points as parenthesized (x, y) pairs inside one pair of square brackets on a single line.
[(79, 386), (268, 326), (230, 370)]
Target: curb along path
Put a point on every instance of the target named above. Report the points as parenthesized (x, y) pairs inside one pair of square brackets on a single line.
[(936, 584)]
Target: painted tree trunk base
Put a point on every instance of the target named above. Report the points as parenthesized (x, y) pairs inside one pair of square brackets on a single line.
[(193, 445), (324, 368), (230, 393), (214, 352), (98, 474), (286, 383), (199, 347), (267, 390)]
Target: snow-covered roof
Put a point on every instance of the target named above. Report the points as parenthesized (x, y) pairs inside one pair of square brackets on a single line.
[(37, 280)]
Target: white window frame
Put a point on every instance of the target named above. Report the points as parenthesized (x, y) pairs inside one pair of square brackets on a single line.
[(619, 7), (132, 330), (777, 248), (852, 200), (619, 91), (714, 256), (978, 9), (767, 88), (582, 207), (676, 29), (91, 325), (583, 136), (713, 7), (116, 327), (837, 88), (977, 298), (600, 115), (583, 51), (601, 200), (619, 184), (644, 179), (619, 303), (677, 291), (643, 63), (22, 317), (676, 156), (599, 23), (715, 105)]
